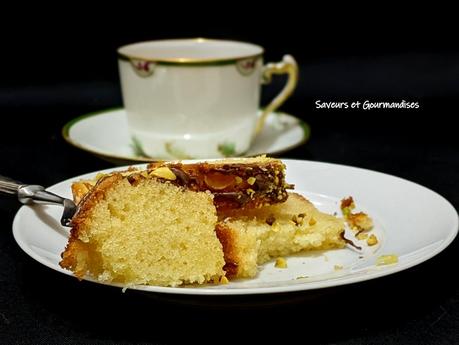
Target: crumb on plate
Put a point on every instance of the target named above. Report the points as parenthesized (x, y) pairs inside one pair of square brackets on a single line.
[(281, 263), (386, 260)]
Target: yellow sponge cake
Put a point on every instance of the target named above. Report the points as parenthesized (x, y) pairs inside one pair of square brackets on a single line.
[(253, 237), (138, 230)]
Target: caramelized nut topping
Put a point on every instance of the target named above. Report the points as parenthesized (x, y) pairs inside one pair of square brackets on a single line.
[(164, 172), (234, 185), (218, 181)]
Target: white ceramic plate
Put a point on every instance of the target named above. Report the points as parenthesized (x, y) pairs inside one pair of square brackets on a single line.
[(411, 221), (281, 133)]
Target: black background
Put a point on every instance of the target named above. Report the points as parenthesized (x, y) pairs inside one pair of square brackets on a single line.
[(59, 64)]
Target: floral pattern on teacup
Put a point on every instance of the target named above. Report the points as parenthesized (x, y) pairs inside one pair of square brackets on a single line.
[(227, 149), (177, 152), (143, 68), (246, 66), (137, 148)]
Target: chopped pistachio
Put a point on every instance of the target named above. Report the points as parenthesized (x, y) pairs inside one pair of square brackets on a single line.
[(372, 240), (250, 192), (346, 211), (251, 180), (224, 280), (238, 180), (312, 221), (99, 176), (301, 277), (386, 260)]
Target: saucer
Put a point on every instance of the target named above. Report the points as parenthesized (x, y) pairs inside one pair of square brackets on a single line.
[(105, 134)]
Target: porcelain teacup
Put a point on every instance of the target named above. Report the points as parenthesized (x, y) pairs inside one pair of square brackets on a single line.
[(197, 98)]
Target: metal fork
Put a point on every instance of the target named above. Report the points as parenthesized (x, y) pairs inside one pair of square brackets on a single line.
[(34, 194)]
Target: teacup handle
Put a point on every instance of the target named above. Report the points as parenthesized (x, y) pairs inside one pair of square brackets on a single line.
[(288, 66)]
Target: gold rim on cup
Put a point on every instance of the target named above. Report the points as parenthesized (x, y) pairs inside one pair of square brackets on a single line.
[(191, 61)]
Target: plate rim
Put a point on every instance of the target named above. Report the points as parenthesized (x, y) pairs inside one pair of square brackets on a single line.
[(305, 286), (65, 132)]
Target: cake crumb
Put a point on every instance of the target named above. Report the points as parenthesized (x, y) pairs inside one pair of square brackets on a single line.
[(281, 263), (356, 221), (338, 267)]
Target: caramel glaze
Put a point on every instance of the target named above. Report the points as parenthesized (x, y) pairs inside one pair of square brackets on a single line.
[(350, 242), (233, 185)]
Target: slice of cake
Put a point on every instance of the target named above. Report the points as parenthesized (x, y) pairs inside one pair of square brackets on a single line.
[(240, 183), (141, 229), (253, 237), (177, 223)]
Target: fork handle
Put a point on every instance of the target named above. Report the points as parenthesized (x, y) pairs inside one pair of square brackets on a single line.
[(9, 186), (28, 194)]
